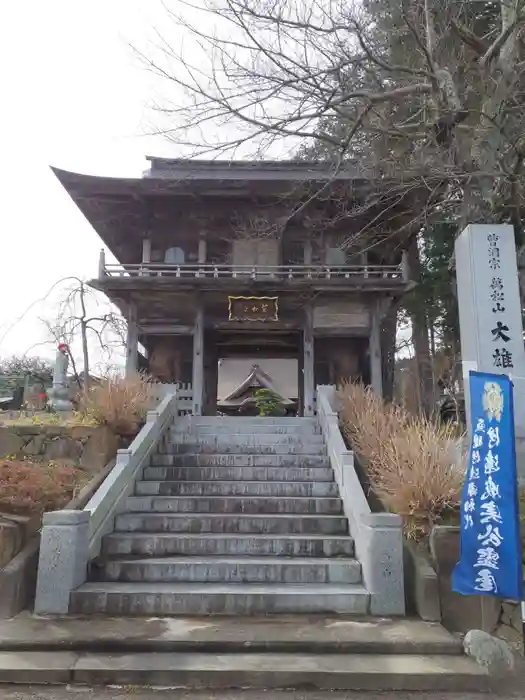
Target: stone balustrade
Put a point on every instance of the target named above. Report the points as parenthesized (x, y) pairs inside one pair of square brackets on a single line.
[(71, 538), (378, 537)]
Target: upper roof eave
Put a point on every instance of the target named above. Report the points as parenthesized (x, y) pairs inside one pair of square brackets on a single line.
[(183, 177)]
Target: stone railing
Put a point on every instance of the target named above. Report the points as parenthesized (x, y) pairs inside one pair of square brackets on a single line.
[(378, 537), (71, 538)]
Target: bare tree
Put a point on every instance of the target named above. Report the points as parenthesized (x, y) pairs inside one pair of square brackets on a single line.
[(259, 76), (81, 318), (424, 97)]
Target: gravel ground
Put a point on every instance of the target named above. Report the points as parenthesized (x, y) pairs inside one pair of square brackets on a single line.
[(80, 693)]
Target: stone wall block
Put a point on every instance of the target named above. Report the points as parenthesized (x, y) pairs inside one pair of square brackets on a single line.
[(459, 613), (35, 446), (99, 448), (10, 442), (62, 448), (11, 540)]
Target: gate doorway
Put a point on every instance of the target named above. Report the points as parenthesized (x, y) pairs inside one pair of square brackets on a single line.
[(250, 359)]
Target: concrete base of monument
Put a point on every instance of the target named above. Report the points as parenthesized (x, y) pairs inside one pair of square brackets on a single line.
[(289, 651), (520, 460)]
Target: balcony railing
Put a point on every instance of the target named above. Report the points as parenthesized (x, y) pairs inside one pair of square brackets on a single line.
[(255, 272)]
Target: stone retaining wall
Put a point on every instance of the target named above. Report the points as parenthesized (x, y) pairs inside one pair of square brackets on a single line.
[(463, 613), (81, 446)]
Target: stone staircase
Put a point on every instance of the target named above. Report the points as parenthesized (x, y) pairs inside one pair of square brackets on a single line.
[(233, 516)]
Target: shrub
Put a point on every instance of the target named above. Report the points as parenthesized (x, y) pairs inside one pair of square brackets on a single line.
[(269, 403), (414, 465), (28, 488), (120, 403)]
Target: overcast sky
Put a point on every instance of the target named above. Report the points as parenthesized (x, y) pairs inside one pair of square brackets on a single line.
[(74, 96)]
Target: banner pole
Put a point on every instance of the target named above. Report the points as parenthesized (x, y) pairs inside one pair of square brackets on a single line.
[(523, 623)]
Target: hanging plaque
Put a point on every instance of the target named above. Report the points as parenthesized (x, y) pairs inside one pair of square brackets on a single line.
[(253, 308)]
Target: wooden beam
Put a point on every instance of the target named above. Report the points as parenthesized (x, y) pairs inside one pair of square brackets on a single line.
[(132, 339), (308, 363), (165, 329), (198, 362)]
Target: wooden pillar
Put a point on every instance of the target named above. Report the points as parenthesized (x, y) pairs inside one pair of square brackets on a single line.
[(146, 250), (308, 363), (102, 264), (405, 267), (202, 248), (307, 251), (132, 340), (376, 373), (211, 374), (198, 362)]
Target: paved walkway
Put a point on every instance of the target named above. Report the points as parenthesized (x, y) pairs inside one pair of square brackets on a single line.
[(78, 693)]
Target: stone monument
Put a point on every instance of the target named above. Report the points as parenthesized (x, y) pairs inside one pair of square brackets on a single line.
[(59, 394), (490, 313)]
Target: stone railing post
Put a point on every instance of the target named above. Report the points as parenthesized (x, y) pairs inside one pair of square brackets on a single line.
[(63, 559), (380, 551)]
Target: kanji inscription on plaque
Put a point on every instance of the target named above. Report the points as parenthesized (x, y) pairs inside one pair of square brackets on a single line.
[(253, 308)]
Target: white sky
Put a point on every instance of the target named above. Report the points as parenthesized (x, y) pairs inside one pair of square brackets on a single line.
[(74, 96)]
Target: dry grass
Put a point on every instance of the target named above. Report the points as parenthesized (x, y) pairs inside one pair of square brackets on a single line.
[(414, 465), (42, 418), (27, 488), (120, 403)]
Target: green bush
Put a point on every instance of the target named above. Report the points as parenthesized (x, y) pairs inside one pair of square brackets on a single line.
[(269, 403)]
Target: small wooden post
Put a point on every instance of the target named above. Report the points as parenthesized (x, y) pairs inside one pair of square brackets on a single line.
[(102, 264), (308, 363), (376, 372), (132, 340), (146, 256), (198, 362)]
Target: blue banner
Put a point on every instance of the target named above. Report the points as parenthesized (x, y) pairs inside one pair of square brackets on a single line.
[(490, 560)]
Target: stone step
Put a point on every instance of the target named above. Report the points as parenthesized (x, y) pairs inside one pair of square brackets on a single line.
[(241, 429), (261, 671), (233, 504), (237, 474), (284, 634), (262, 441), (244, 421), (115, 598), (164, 458), (227, 446), (285, 489), (213, 544), (232, 570), (240, 523)]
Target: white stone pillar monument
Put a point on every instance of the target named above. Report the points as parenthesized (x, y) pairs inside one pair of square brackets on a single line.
[(490, 313)]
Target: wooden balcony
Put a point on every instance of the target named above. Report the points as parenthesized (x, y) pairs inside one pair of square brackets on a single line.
[(258, 273)]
